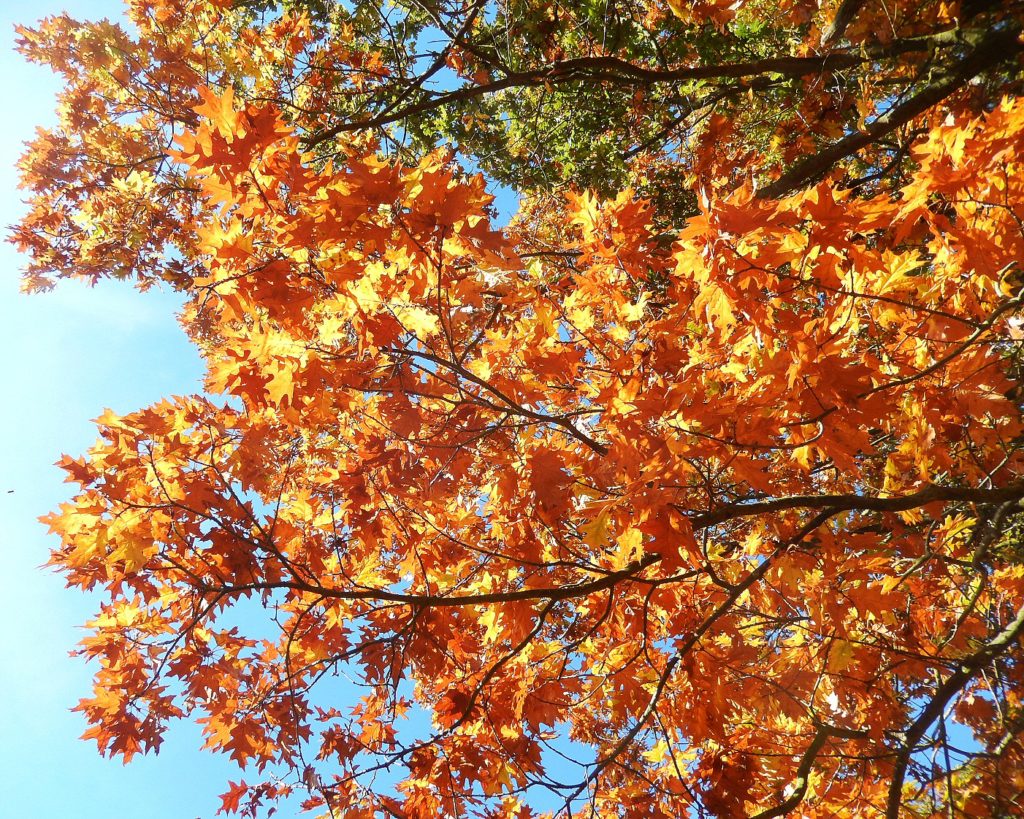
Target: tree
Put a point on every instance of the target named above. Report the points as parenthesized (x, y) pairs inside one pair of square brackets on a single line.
[(607, 512)]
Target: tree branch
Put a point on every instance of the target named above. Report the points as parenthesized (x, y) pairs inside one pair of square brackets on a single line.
[(970, 666), (695, 637), (800, 783), (513, 407), (997, 47), (614, 69), (446, 600), (847, 502), (844, 16)]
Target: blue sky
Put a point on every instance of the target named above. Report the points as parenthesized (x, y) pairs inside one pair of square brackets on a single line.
[(70, 353)]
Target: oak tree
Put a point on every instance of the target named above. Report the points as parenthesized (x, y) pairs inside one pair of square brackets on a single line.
[(696, 490)]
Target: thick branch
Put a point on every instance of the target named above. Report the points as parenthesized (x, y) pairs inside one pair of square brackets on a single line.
[(848, 502), (616, 70), (801, 781), (447, 600), (970, 666), (997, 47), (844, 16)]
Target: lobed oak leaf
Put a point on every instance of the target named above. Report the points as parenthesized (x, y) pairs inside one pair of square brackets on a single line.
[(230, 800)]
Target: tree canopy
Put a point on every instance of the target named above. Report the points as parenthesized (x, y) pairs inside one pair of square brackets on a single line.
[(695, 490)]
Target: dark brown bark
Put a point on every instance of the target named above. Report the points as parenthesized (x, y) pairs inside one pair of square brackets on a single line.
[(997, 47), (953, 685), (613, 69)]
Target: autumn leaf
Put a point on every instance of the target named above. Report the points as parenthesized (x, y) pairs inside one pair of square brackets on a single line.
[(230, 800), (695, 486)]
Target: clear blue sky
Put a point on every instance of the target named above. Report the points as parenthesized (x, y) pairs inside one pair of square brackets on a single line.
[(69, 354)]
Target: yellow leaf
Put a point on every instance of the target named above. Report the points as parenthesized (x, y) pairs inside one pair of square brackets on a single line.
[(491, 621), (631, 546), (418, 321), (841, 656), (595, 533)]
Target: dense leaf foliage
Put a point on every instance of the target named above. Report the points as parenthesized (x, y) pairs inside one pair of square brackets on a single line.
[(605, 512)]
